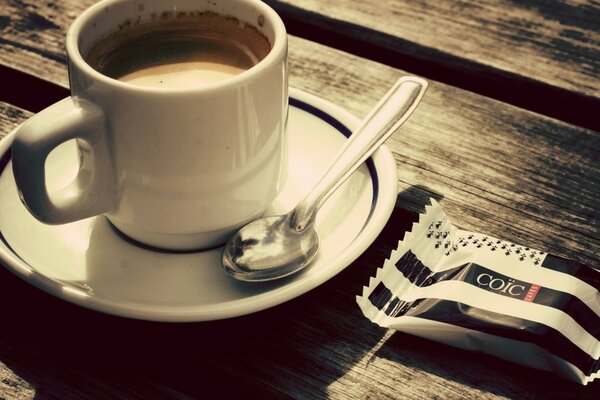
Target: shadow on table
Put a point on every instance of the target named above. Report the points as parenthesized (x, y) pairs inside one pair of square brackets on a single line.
[(60, 350), (315, 346), (456, 367), (297, 349)]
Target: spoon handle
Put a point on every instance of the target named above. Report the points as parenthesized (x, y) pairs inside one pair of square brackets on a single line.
[(387, 116)]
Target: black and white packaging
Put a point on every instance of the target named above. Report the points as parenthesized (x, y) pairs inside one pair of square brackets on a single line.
[(484, 294)]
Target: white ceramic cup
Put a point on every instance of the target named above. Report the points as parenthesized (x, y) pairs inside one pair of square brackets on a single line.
[(171, 168)]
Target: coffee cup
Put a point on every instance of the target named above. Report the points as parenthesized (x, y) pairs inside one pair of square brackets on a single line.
[(178, 109)]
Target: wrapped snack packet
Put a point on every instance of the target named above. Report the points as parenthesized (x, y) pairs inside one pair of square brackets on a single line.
[(484, 294)]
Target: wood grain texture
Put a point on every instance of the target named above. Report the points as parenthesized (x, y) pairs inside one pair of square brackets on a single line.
[(557, 42), (10, 117), (495, 168), (33, 35), (539, 55), (501, 170)]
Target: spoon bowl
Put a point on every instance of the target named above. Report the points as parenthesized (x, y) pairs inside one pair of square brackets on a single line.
[(275, 247), (269, 246)]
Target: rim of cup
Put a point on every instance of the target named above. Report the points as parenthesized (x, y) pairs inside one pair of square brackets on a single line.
[(278, 50)]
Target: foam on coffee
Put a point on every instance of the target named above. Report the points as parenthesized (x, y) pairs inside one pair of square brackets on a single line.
[(183, 74), (187, 51)]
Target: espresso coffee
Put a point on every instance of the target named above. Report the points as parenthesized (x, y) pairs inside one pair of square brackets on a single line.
[(182, 51)]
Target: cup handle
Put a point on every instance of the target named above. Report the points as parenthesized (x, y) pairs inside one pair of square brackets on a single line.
[(92, 191)]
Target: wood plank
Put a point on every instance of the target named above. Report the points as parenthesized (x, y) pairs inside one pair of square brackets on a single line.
[(32, 36), (11, 117), (530, 38), (501, 170), (539, 55), (548, 51)]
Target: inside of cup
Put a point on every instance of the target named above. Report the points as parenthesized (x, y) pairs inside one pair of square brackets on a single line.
[(110, 16)]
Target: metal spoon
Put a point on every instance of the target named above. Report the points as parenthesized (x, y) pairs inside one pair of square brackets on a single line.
[(274, 247)]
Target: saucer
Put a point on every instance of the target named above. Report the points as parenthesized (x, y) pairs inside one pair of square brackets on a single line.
[(90, 264)]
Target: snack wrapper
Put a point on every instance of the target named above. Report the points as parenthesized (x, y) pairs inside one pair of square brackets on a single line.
[(484, 294)]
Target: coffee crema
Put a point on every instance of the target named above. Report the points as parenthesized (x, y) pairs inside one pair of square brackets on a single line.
[(186, 51)]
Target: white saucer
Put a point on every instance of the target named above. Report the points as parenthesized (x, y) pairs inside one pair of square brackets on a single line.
[(89, 264)]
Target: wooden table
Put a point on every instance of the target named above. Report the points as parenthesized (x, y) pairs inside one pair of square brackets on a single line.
[(507, 139)]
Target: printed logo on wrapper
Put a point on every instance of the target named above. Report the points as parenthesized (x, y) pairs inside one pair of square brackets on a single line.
[(507, 287), (504, 285), (523, 305), (532, 292)]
